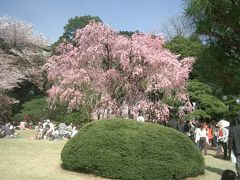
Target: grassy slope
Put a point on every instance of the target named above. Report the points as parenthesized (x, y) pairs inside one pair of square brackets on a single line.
[(25, 158)]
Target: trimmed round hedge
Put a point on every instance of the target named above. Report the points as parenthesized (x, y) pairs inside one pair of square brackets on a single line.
[(127, 149)]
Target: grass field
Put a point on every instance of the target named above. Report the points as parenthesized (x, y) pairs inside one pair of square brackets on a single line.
[(25, 158)]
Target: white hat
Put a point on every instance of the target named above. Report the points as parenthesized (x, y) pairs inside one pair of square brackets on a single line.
[(48, 121)]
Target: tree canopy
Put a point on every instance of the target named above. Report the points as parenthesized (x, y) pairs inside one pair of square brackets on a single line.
[(73, 24), (137, 71), (217, 24), (208, 106)]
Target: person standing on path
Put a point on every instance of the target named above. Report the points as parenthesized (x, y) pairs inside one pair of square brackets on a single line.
[(222, 141), (235, 134)]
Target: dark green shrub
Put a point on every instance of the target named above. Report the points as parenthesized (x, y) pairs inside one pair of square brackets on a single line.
[(80, 117), (127, 149), (36, 109), (208, 106)]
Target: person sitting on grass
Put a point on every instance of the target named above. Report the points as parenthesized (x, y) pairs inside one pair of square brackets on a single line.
[(63, 131), (39, 131), (9, 130), (50, 130)]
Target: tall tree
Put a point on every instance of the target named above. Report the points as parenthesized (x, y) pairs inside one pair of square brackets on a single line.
[(72, 26), (217, 22), (208, 107), (77, 22), (136, 71), (18, 33), (176, 27)]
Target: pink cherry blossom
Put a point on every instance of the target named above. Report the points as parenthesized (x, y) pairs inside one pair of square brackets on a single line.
[(120, 70)]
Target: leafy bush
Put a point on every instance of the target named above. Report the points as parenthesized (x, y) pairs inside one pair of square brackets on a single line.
[(36, 109), (80, 117), (208, 105), (198, 114), (127, 149), (61, 114)]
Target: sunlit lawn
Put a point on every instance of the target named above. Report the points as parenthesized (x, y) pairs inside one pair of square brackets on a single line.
[(25, 158)]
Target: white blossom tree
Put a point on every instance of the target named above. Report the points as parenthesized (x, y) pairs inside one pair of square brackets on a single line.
[(21, 57), (19, 33)]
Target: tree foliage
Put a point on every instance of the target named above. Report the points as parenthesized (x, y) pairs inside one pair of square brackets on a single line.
[(217, 23), (208, 106), (76, 23), (219, 70), (17, 33), (36, 109), (72, 26), (119, 70), (128, 33), (185, 46)]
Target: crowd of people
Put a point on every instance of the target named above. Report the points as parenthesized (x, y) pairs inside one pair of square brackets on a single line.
[(48, 130), (223, 137), (204, 135), (45, 130)]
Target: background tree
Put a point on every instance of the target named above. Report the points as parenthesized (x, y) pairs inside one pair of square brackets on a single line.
[(18, 33), (217, 23), (208, 107), (72, 25), (23, 53), (76, 23), (128, 33), (36, 109), (176, 27), (185, 46)]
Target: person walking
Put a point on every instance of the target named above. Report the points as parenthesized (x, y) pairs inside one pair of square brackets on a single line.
[(201, 138), (235, 138), (222, 141)]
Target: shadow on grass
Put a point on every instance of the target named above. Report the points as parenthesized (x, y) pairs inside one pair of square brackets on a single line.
[(93, 173), (214, 170)]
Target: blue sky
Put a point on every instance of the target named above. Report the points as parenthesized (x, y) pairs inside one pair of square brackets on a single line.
[(49, 16)]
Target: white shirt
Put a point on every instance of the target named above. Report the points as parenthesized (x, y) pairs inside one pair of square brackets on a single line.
[(200, 133), (224, 138), (44, 124)]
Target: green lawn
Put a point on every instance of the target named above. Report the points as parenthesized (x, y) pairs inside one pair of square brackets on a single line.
[(25, 158)]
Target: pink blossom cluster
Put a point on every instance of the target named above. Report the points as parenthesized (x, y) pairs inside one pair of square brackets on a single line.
[(118, 68)]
